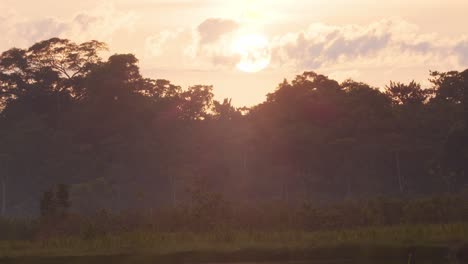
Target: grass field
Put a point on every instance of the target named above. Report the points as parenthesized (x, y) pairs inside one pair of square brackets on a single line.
[(427, 241)]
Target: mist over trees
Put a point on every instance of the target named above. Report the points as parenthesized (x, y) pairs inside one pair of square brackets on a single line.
[(125, 142)]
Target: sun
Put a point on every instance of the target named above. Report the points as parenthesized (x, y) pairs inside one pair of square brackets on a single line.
[(254, 52)]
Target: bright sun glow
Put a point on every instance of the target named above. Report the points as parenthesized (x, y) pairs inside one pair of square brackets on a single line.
[(254, 51)]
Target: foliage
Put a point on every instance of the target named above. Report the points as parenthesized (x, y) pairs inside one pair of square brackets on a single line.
[(381, 243), (123, 142)]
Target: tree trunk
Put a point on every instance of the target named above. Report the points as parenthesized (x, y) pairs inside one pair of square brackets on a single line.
[(244, 161), (285, 191), (465, 98), (59, 108), (347, 170), (398, 168), (465, 113), (348, 184), (173, 189), (3, 183)]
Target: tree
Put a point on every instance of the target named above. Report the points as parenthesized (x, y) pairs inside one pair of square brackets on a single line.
[(115, 80), (407, 94), (55, 202), (74, 117), (57, 65), (3, 185), (48, 204), (196, 102), (225, 110), (448, 86), (63, 199), (159, 89), (455, 153), (65, 57)]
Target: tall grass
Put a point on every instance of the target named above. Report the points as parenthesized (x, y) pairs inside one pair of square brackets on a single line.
[(214, 226), (163, 243)]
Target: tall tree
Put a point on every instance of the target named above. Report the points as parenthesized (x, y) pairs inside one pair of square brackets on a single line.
[(405, 94)]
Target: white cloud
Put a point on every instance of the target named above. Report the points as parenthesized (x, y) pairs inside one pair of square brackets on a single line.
[(100, 23), (349, 48), (207, 46), (387, 42), (173, 49)]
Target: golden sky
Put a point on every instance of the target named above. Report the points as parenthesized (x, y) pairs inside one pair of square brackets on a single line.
[(191, 41)]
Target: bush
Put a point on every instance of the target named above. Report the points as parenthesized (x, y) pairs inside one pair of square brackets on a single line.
[(17, 229)]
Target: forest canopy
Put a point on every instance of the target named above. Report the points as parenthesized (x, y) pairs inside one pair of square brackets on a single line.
[(123, 141)]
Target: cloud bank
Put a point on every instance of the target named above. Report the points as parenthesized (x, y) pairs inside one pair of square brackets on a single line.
[(385, 43)]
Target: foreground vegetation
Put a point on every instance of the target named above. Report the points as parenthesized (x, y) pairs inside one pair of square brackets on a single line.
[(213, 230), (435, 241)]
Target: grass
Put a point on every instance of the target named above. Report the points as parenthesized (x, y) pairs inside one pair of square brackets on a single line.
[(379, 242)]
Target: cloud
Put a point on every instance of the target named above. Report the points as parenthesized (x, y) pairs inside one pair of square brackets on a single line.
[(172, 46), (212, 29), (168, 5), (100, 23), (31, 31), (387, 43), (17, 31), (462, 51), (206, 46)]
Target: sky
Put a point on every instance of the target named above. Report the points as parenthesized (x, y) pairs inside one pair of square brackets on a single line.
[(192, 42)]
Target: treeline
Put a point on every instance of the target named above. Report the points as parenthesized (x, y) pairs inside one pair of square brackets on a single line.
[(125, 142)]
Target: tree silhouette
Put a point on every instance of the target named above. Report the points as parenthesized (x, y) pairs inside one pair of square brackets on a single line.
[(63, 199), (48, 204), (71, 116), (406, 94)]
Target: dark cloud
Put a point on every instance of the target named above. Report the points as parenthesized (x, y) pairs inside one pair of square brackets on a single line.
[(213, 28), (85, 21), (421, 47), (461, 51), (36, 30), (313, 51), (361, 46)]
